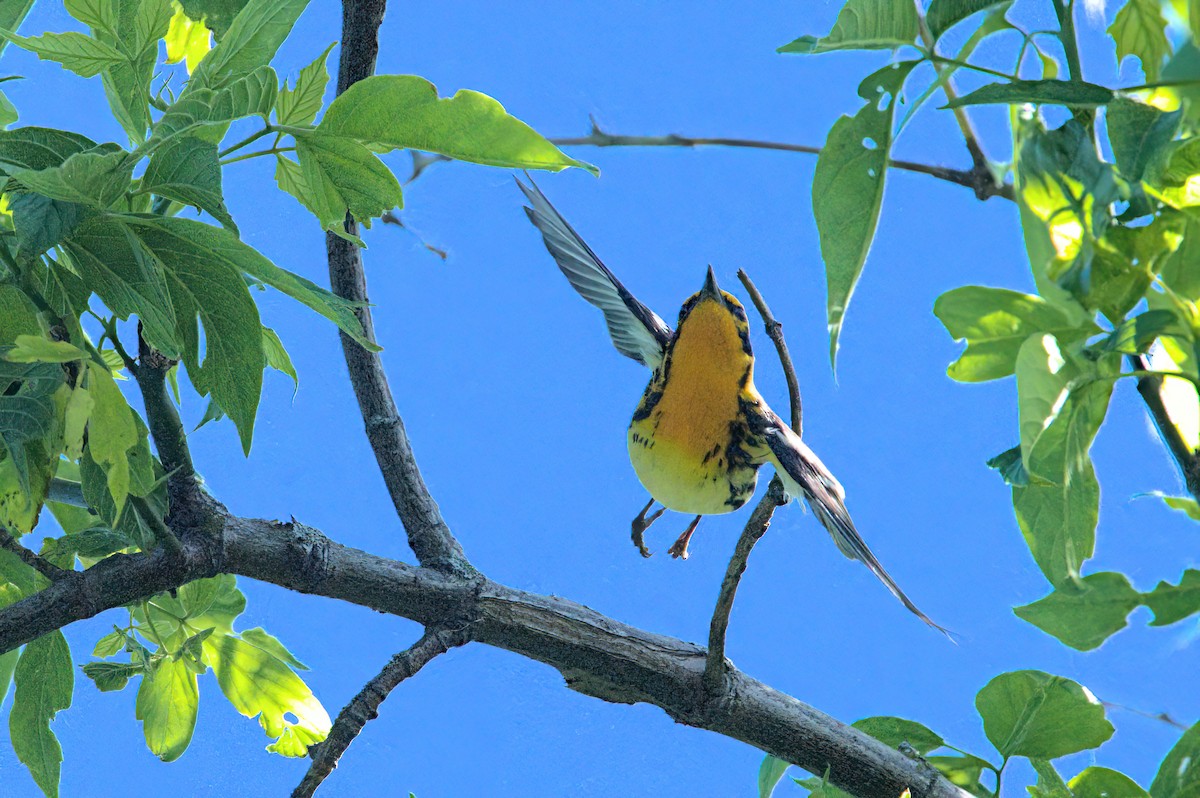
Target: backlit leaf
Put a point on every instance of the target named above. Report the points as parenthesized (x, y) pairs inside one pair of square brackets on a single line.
[(1139, 29), (1172, 603), (167, 703), (864, 25), (1084, 617), (44, 682), (1037, 715), (81, 54), (299, 105)]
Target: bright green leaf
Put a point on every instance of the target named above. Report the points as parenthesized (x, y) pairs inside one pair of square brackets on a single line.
[(1098, 782), (100, 14), (1172, 603), (199, 112), (769, 773), (167, 703), (342, 175), (387, 112), (277, 356), (1075, 94), (110, 644), (894, 732), (251, 41), (218, 15), (97, 177), (965, 771), (187, 39), (995, 322), (848, 186), (127, 85), (81, 54), (864, 25), (1179, 774), (45, 680), (36, 349), (1139, 29), (299, 106), (12, 13), (1036, 715), (111, 431), (1084, 617)]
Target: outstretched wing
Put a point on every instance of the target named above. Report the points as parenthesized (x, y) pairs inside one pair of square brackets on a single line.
[(804, 474), (636, 331)]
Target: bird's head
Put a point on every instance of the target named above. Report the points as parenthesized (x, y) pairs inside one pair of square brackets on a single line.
[(715, 322)]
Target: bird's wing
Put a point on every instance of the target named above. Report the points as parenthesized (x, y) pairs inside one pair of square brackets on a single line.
[(804, 474), (636, 330)]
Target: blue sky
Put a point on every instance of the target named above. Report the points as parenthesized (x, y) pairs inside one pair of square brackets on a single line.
[(517, 406)]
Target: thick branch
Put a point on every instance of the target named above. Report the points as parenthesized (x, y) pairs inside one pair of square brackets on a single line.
[(982, 183), (428, 535), (597, 655), (166, 428), (1151, 389), (364, 707)]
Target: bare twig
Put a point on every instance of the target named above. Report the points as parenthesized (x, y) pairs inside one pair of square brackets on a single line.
[(715, 665), (428, 534), (364, 707), (32, 559), (1159, 716), (982, 183), (1151, 389)]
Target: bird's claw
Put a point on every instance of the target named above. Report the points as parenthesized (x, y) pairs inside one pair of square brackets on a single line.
[(641, 524)]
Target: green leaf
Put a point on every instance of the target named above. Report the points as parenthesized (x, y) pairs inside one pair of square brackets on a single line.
[(1098, 782), (1084, 617), (964, 771), (342, 175), (1138, 334), (167, 703), (251, 41), (140, 25), (1044, 379), (290, 178), (1172, 603), (258, 683), (204, 266), (81, 54), (995, 322), (1074, 94), (97, 177), (110, 644), (197, 111), (1179, 774), (769, 773), (894, 732), (41, 223), (819, 787), (848, 188), (299, 106), (387, 112), (45, 680), (1139, 134), (93, 543), (1036, 715), (100, 14), (1139, 29), (188, 39), (1011, 467), (1049, 784), (111, 676), (945, 14), (8, 663), (186, 169), (864, 25), (277, 357), (39, 147), (18, 316), (12, 13), (111, 431), (218, 15), (36, 349), (27, 409)]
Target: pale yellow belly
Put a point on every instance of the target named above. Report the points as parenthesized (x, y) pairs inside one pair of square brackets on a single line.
[(681, 480)]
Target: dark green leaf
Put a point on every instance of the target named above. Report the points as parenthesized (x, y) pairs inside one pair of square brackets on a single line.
[(186, 169), (101, 14), (18, 316), (848, 188), (1172, 603), (1036, 715), (1179, 774), (1139, 135), (167, 702), (41, 222), (995, 322), (299, 106), (27, 409), (1136, 335), (1098, 782), (1075, 94), (342, 175), (97, 177), (1084, 617), (1139, 29), (218, 15), (864, 25), (45, 680), (250, 42), (81, 54), (94, 543), (895, 732), (769, 773), (944, 14), (387, 112), (111, 676), (39, 147), (140, 26)]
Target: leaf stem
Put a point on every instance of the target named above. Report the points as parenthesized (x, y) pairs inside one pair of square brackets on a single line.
[(255, 154), (941, 59), (32, 559), (1064, 10), (253, 137)]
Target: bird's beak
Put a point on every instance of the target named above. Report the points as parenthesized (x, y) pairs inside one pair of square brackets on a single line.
[(710, 289)]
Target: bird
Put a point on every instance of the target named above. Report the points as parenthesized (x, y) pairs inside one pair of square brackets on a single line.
[(701, 430)]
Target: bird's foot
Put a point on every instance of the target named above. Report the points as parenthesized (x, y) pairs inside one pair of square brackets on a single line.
[(679, 549), (641, 524)]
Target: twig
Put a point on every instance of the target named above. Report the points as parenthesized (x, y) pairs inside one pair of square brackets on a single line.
[(162, 532), (364, 707), (982, 183), (775, 333), (760, 519), (65, 491), (1159, 716), (32, 559), (162, 418), (1151, 388), (428, 534)]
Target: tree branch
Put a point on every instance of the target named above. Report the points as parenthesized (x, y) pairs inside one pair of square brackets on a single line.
[(756, 526), (428, 534), (364, 707), (32, 559), (1151, 389), (166, 428), (597, 655), (982, 183)]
